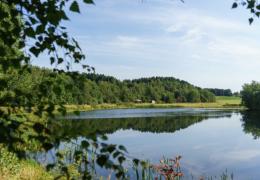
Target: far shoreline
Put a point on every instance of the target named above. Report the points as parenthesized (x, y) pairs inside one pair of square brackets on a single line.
[(222, 102), (215, 105)]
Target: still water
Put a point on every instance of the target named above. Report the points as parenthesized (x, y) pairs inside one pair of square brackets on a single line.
[(209, 141)]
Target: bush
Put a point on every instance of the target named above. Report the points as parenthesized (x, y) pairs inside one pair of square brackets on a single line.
[(8, 162), (251, 95), (13, 168)]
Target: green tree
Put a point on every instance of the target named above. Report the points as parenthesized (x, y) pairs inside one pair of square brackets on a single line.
[(193, 96), (251, 95)]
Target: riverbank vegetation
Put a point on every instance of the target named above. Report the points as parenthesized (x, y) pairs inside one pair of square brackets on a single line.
[(11, 167), (251, 95), (225, 102)]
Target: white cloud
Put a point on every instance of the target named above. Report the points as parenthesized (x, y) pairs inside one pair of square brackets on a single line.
[(195, 56), (169, 40), (127, 42), (239, 155), (239, 49)]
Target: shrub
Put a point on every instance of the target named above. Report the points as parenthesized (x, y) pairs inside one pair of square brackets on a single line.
[(13, 168), (251, 95)]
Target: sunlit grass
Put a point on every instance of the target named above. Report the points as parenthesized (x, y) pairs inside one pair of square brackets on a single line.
[(12, 168), (221, 102)]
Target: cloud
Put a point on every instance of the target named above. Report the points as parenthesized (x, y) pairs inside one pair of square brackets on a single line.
[(128, 42), (195, 56), (193, 20), (239, 155), (169, 39), (244, 49)]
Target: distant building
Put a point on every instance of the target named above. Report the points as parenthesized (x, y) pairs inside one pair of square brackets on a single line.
[(153, 101)]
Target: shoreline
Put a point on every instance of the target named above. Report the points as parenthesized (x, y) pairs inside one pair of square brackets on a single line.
[(72, 108)]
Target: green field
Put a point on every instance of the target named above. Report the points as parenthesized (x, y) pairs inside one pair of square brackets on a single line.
[(221, 102), (229, 100)]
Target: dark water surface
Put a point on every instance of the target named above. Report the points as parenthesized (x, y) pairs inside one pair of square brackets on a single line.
[(210, 141)]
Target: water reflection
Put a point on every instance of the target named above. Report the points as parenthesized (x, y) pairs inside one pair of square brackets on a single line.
[(251, 123), (210, 141), (159, 121)]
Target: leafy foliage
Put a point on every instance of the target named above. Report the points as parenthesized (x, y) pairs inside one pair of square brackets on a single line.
[(28, 101), (10, 28), (251, 95), (58, 87), (220, 92), (252, 5), (8, 161), (42, 28)]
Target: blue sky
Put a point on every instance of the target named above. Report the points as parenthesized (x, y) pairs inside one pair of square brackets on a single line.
[(203, 42)]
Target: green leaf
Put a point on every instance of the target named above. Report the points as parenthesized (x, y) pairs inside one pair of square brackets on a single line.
[(116, 154), (85, 66), (40, 29), (121, 159), (111, 148), (60, 60), (104, 137), (136, 161), (122, 148), (101, 160), (47, 146), (234, 5), (52, 59), (50, 166), (29, 32), (59, 155), (251, 4), (89, 1), (85, 144), (38, 127), (74, 7), (250, 20), (35, 51), (33, 20)]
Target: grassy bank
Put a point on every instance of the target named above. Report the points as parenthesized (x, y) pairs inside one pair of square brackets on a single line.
[(12, 168), (221, 102)]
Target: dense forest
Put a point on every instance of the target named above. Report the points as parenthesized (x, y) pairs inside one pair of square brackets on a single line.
[(220, 92), (95, 88)]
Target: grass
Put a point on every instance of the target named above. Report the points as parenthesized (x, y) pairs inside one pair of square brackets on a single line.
[(229, 99), (231, 102), (12, 168), (226, 102)]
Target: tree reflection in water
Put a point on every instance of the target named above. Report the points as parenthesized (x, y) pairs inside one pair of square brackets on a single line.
[(251, 123)]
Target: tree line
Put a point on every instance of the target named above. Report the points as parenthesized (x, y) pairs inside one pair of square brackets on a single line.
[(60, 87), (220, 92)]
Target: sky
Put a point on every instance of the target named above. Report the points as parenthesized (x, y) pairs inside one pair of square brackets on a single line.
[(203, 42)]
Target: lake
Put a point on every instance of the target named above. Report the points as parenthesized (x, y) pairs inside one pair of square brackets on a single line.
[(210, 141)]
